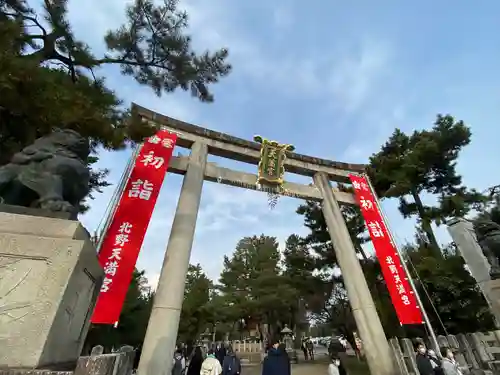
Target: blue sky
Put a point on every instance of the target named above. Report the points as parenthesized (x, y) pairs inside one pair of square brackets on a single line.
[(333, 78)]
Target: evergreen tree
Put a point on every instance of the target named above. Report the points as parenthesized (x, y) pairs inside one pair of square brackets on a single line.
[(35, 99), (195, 313), (425, 162), (152, 46), (47, 76), (298, 264), (298, 268), (491, 208), (253, 286), (318, 240)]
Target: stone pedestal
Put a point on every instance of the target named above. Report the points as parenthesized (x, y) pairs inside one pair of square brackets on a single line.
[(49, 281)]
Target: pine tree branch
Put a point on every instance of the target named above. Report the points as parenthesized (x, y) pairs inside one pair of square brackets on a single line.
[(29, 18), (149, 64)]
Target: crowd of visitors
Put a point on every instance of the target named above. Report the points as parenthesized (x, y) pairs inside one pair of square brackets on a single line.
[(218, 360), (223, 360), (428, 362)]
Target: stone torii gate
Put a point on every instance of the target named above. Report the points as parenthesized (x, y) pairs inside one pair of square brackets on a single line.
[(161, 335)]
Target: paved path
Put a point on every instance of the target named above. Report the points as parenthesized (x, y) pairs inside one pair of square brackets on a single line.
[(317, 367), (298, 369)]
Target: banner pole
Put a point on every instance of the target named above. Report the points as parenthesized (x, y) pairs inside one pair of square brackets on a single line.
[(427, 321), (122, 184)]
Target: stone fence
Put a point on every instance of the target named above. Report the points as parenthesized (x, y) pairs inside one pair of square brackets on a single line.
[(118, 363), (246, 346), (97, 363), (477, 353)]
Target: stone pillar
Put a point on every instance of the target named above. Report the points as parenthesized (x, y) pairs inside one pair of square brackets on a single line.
[(462, 233), (377, 350), (161, 335)]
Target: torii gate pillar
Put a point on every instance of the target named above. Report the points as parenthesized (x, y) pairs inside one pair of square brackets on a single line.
[(161, 335), (376, 347)]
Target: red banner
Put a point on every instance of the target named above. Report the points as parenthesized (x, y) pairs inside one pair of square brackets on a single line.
[(123, 239), (400, 290)]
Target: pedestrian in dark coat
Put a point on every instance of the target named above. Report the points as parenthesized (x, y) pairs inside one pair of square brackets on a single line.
[(178, 363), (277, 361), (220, 353), (342, 370), (304, 349), (310, 349), (194, 367), (424, 364), (435, 362), (138, 352), (231, 364)]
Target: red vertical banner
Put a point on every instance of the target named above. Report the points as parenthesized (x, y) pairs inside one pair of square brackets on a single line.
[(125, 235), (402, 295)]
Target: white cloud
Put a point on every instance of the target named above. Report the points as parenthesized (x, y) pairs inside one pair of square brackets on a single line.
[(356, 73), (345, 77), (345, 72), (229, 206)]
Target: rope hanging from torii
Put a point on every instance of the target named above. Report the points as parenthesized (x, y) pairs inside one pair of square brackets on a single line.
[(271, 169)]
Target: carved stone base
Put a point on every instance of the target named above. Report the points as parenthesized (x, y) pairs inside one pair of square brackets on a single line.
[(49, 281)]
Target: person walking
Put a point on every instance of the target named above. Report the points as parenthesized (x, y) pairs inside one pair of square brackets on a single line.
[(342, 370), (277, 361), (304, 349), (211, 366), (231, 364), (179, 363), (194, 366), (310, 349), (220, 353), (282, 347), (435, 362), (137, 357), (424, 364), (333, 367), (448, 364)]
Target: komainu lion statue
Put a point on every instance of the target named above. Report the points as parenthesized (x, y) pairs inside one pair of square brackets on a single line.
[(50, 174)]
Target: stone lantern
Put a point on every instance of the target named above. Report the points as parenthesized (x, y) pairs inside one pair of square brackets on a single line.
[(287, 335), (205, 339)]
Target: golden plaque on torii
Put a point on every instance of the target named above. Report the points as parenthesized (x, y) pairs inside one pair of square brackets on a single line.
[(271, 168)]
